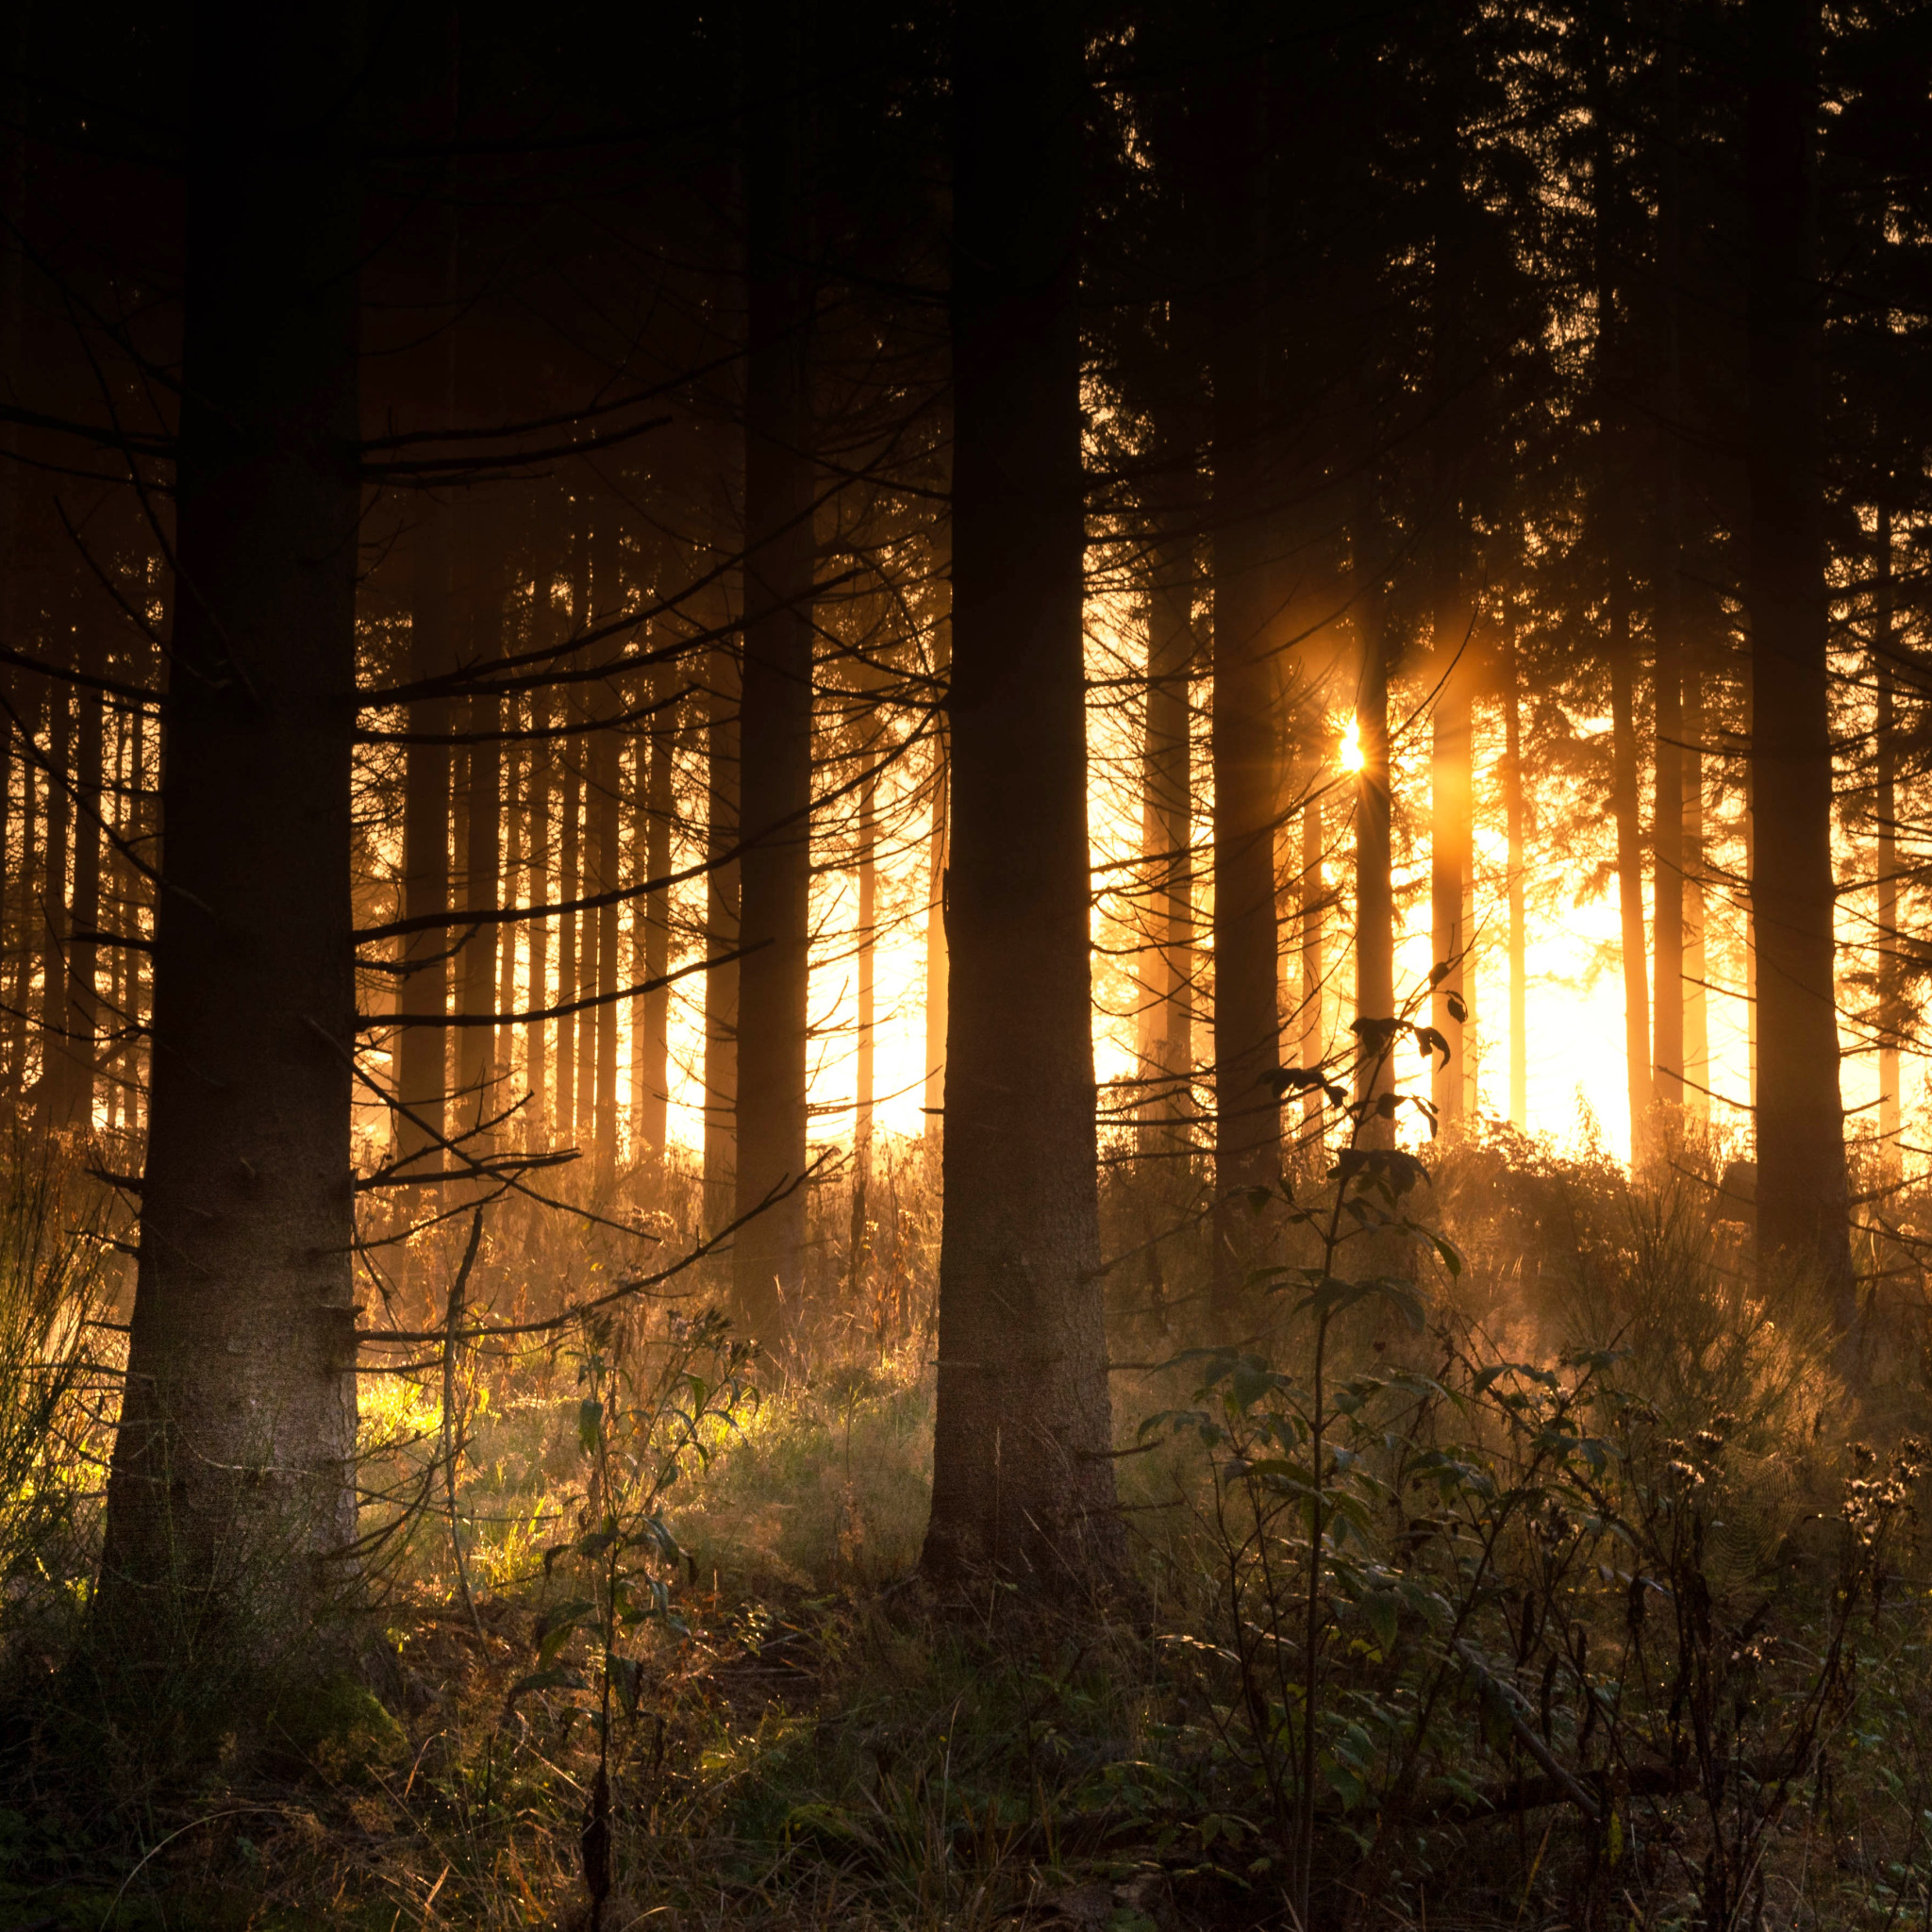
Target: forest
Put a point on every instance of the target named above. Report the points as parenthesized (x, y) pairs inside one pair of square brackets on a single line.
[(966, 965)]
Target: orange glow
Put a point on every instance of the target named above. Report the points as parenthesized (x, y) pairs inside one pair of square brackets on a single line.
[(1351, 759)]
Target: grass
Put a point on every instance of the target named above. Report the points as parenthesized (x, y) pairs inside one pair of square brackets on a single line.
[(808, 1740)]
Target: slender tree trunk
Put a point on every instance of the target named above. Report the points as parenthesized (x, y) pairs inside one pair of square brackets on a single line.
[(607, 776), (1626, 809), (722, 936), (1667, 867), (537, 1032), (1696, 954), (775, 873), (653, 1042), (868, 959), (1170, 846), (476, 1072), (937, 961), (1513, 814), (1313, 890), (1247, 1022), (572, 752), (83, 957), (55, 1048), (1450, 849), (1022, 1484), (1375, 895), (509, 1089), (1891, 1014), (231, 1506), (1804, 1211)]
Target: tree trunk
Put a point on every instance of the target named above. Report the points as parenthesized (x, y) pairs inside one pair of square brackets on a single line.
[(937, 961), (607, 589), (571, 753), (1023, 1485), (1170, 913), (721, 938), (1512, 808), (1451, 802), (1667, 865), (231, 1506), (868, 958), (1626, 809), (476, 1072), (510, 1090), (1803, 1211), (1696, 954), (51, 1100), (1891, 1015), (775, 727), (1375, 895), (1247, 1023), (1313, 890), (537, 1032), (652, 1039), (83, 956)]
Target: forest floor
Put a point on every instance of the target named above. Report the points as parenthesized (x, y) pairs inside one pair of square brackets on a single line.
[(1618, 1626)]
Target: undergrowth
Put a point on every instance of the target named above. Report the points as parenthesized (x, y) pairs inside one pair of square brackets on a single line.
[(1615, 1614)]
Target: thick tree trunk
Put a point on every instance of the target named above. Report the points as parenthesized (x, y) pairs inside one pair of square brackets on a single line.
[(775, 727), (231, 1507), (1247, 1021), (721, 930), (1803, 1197), (1023, 1485)]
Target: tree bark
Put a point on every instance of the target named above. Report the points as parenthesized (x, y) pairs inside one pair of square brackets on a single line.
[(1513, 816), (1667, 863), (1023, 1483), (231, 1507), (722, 936), (1170, 913), (775, 727), (937, 961), (536, 807), (476, 1069), (608, 848), (1803, 1211), (1247, 1021), (1375, 895), (652, 1041), (1891, 1015)]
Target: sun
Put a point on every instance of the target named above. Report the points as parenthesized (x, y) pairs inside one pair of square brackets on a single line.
[(1352, 756)]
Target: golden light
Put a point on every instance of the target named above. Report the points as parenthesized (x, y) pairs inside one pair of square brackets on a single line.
[(1351, 759)]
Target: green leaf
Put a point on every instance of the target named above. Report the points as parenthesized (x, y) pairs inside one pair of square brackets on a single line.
[(557, 1679), (590, 1423)]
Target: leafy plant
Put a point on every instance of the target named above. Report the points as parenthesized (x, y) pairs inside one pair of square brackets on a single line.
[(645, 1418)]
